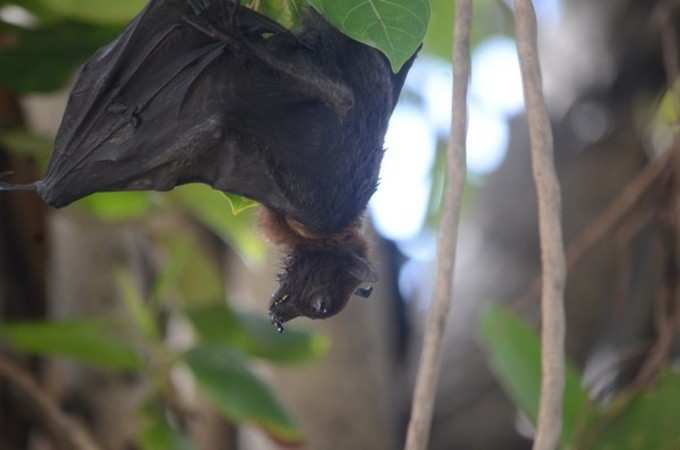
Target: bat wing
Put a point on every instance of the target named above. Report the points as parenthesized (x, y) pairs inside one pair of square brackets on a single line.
[(181, 97)]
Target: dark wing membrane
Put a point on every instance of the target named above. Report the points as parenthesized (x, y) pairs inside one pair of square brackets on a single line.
[(177, 98)]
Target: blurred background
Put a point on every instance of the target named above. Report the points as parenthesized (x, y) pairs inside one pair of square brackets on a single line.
[(142, 316)]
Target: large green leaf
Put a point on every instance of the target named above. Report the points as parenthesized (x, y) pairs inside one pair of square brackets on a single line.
[(43, 59), (254, 335), (644, 421), (88, 341), (239, 394), (516, 358), (395, 27)]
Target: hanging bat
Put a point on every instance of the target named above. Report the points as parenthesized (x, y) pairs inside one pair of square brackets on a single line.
[(209, 91)]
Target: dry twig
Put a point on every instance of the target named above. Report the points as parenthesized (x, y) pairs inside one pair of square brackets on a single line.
[(428, 372), (550, 226), (66, 432), (668, 303), (610, 217)]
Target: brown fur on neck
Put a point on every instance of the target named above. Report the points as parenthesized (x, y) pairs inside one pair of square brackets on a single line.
[(286, 231)]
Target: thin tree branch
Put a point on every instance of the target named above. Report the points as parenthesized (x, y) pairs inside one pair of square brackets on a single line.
[(552, 247), (66, 432), (428, 372), (608, 219)]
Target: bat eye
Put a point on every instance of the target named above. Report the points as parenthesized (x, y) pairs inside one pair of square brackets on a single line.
[(364, 292)]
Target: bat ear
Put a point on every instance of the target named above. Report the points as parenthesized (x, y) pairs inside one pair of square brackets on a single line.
[(361, 270)]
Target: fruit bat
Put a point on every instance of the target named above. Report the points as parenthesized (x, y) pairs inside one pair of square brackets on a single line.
[(210, 91)]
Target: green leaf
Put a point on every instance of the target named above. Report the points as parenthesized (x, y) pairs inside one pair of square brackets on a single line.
[(239, 394), (91, 11), (643, 421), (395, 27), (136, 306), (255, 336), (239, 204), (117, 206), (44, 59), (91, 342), (189, 271), (286, 12), (158, 434), (210, 207), (516, 358)]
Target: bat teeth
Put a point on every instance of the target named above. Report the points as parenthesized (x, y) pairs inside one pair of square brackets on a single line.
[(281, 300)]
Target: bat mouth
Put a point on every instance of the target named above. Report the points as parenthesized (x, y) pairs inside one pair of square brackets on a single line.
[(282, 310)]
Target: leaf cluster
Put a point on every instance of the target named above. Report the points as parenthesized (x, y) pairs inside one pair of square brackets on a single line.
[(632, 420)]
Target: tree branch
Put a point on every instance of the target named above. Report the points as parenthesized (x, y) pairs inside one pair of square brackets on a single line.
[(608, 219), (428, 372), (550, 227), (66, 432)]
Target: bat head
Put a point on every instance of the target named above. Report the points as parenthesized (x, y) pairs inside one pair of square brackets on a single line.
[(318, 282), (320, 273)]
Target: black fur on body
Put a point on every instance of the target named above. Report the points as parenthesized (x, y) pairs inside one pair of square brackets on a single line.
[(209, 91)]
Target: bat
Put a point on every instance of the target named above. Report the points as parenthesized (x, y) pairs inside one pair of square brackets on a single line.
[(210, 91)]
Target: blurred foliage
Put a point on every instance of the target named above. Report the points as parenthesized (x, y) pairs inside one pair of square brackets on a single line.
[(43, 59), (27, 144), (92, 341), (159, 434), (490, 17), (633, 420), (255, 336), (228, 383), (516, 358), (99, 12), (224, 341), (438, 177), (666, 114)]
